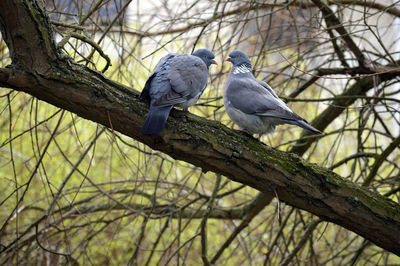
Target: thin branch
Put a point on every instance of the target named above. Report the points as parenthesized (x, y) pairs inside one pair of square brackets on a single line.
[(95, 46), (256, 206), (255, 7), (310, 228), (349, 158), (333, 22), (203, 225), (380, 160), (27, 184), (66, 179)]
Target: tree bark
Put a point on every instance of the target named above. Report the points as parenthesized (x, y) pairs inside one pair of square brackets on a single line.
[(38, 68)]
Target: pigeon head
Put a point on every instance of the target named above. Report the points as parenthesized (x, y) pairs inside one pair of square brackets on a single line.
[(206, 55), (238, 58)]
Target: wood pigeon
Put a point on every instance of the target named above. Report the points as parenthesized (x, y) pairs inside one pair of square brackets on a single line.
[(177, 80), (252, 104)]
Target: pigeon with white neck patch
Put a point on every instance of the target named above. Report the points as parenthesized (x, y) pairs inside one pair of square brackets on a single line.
[(252, 104)]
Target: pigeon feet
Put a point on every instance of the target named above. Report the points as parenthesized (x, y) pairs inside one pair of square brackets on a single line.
[(244, 132)]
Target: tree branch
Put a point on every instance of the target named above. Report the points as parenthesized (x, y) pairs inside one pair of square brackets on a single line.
[(333, 22), (307, 233), (359, 88), (256, 206), (380, 160), (246, 8)]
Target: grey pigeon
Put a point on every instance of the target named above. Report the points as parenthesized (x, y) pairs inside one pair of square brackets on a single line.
[(177, 80), (252, 104)]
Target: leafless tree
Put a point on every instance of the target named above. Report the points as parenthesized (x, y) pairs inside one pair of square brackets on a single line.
[(80, 184)]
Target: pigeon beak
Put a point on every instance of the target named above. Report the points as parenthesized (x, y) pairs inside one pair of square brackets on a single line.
[(214, 62), (228, 59)]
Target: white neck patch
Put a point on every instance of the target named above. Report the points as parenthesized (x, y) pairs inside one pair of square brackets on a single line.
[(241, 69)]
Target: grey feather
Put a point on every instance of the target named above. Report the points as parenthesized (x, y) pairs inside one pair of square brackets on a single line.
[(187, 76), (158, 79)]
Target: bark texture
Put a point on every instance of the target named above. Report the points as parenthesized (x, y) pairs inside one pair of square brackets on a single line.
[(39, 69)]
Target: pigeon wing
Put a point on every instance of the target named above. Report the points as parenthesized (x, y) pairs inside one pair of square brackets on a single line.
[(266, 86), (251, 97), (157, 83), (188, 78)]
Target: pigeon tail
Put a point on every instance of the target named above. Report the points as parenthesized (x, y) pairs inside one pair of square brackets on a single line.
[(155, 120), (305, 125)]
